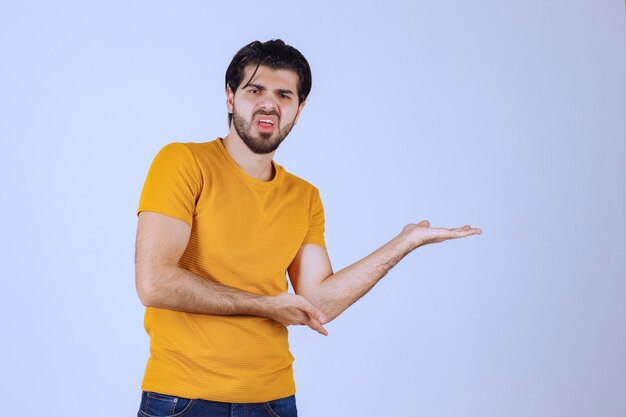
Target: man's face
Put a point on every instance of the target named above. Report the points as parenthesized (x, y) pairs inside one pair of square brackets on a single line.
[(266, 108)]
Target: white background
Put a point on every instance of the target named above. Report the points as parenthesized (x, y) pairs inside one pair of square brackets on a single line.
[(506, 115)]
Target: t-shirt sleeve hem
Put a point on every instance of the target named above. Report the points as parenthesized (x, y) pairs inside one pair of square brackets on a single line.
[(314, 241), (166, 213)]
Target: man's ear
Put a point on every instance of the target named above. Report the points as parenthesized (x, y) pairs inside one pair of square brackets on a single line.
[(230, 99), (300, 107)]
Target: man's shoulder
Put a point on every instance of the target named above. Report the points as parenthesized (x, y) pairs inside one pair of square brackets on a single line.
[(299, 182), (203, 154), (197, 147), (193, 148)]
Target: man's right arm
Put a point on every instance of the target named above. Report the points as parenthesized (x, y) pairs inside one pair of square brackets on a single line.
[(161, 283)]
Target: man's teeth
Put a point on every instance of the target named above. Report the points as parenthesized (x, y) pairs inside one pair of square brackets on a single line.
[(266, 121)]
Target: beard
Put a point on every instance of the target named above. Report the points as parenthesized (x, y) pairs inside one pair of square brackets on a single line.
[(265, 142)]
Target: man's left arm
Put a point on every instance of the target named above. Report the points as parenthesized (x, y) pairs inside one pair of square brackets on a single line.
[(312, 276)]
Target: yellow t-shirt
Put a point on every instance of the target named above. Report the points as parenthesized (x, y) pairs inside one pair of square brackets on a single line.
[(244, 234)]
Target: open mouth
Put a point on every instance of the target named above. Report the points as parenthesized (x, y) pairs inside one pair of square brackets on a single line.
[(265, 124)]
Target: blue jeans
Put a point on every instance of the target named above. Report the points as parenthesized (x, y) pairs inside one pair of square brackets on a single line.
[(160, 405)]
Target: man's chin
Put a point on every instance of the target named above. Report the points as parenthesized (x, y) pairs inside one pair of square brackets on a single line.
[(262, 145), (266, 135)]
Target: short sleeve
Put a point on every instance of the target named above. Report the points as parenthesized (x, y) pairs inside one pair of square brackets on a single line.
[(315, 234), (173, 184)]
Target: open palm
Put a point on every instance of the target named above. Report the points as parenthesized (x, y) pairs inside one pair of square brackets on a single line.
[(422, 234)]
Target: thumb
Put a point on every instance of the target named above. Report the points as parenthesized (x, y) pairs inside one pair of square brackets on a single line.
[(316, 317), (424, 223), (316, 314)]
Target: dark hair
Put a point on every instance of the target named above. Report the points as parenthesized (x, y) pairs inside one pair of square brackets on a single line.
[(274, 54)]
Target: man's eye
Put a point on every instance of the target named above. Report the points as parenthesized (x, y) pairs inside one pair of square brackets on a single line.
[(285, 96), (254, 91)]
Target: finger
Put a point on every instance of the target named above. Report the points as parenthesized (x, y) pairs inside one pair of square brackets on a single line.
[(441, 234), (424, 223), (316, 318), (465, 231), (317, 326), (311, 311)]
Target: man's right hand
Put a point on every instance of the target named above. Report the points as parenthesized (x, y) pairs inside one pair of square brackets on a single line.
[(290, 309), (421, 234)]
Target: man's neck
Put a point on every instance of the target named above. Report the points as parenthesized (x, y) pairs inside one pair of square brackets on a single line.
[(255, 165)]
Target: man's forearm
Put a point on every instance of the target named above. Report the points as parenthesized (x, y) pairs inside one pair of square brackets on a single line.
[(175, 288), (339, 291)]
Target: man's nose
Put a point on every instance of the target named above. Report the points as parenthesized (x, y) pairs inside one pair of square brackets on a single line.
[(268, 102)]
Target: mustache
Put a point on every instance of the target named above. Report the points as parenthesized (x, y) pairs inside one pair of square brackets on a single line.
[(266, 113)]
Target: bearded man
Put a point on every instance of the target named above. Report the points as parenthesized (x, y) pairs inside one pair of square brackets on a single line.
[(219, 225)]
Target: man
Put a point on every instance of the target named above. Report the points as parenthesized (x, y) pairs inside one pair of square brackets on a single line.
[(219, 224)]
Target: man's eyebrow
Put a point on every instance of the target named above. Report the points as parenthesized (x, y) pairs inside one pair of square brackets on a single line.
[(257, 86), (260, 87)]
